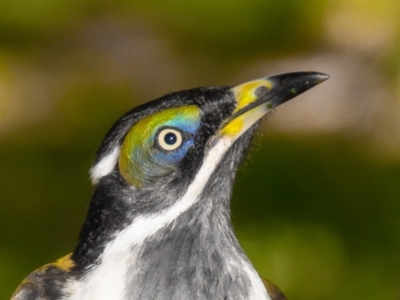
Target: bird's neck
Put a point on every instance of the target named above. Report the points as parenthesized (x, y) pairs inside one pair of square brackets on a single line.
[(195, 254)]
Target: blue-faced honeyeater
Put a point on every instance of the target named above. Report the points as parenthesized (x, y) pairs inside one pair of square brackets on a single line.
[(158, 225)]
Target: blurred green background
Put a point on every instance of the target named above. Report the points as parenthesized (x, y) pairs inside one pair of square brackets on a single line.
[(317, 204)]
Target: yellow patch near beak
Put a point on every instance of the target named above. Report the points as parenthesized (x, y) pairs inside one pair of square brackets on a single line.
[(245, 95), (256, 98), (234, 127)]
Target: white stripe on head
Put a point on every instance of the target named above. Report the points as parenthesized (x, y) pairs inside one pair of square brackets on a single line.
[(104, 166)]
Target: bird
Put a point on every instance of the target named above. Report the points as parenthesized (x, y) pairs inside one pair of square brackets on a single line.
[(158, 225)]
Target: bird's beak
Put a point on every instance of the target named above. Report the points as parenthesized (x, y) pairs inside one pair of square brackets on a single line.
[(256, 98)]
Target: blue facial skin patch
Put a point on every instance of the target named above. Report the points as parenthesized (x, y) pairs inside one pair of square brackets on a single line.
[(141, 158)]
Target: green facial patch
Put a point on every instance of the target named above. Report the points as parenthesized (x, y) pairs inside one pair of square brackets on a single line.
[(141, 160)]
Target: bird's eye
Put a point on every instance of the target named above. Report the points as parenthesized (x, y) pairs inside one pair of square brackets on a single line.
[(169, 139)]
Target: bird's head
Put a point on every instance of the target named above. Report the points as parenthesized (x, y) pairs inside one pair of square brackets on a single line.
[(178, 149), (169, 137)]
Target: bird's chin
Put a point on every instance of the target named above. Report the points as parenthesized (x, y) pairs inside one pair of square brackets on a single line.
[(218, 189)]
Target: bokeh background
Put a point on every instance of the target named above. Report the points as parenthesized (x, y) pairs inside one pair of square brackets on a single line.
[(317, 202)]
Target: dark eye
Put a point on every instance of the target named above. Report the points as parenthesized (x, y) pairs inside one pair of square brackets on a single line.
[(169, 139)]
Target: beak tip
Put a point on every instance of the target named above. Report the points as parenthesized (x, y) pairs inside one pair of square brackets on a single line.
[(322, 77), (293, 84), (313, 78)]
